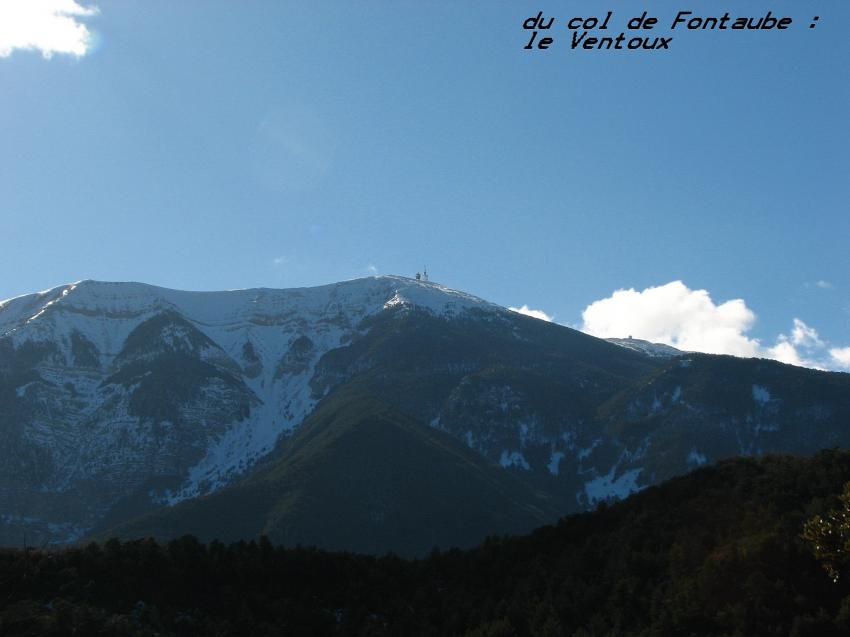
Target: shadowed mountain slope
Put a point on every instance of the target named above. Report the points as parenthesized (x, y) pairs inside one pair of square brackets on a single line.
[(360, 476)]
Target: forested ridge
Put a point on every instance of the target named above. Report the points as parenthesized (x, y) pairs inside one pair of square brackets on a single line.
[(717, 552)]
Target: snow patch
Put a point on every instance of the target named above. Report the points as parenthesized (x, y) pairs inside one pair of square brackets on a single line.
[(514, 459), (585, 452), (655, 350), (554, 462), (696, 458), (609, 487), (21, 391), (761, 395)]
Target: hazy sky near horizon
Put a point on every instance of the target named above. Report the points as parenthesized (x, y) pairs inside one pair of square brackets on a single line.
[(215, 145)]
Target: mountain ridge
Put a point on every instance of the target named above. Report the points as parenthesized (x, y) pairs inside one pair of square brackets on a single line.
[(118, 398)]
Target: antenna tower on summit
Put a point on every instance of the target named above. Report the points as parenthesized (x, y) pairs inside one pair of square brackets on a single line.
[(425, 273)]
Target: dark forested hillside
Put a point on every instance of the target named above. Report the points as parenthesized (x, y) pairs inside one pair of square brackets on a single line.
[(716, 552)]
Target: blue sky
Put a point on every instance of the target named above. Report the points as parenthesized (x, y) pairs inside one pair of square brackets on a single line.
[(212, 145)]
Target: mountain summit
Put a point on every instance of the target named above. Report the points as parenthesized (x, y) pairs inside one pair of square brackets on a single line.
[(123, 399)]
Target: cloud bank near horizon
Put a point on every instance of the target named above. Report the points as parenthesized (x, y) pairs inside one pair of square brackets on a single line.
[(690, 320), (49, 26)]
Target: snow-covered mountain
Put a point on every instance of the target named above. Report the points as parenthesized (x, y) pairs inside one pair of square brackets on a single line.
[(658, 350), (118, 398), (111, 385)]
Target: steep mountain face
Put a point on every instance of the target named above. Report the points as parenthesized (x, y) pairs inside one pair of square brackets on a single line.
[(122, 392), (118, 398)]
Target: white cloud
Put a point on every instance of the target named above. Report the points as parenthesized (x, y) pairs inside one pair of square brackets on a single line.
[(49, 26), (804, 335), (841, 356), (538, 314), (824, 285), (676, 315), (690, 320), (785, 352), (372, 268), (281, 260), (803, 347)]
